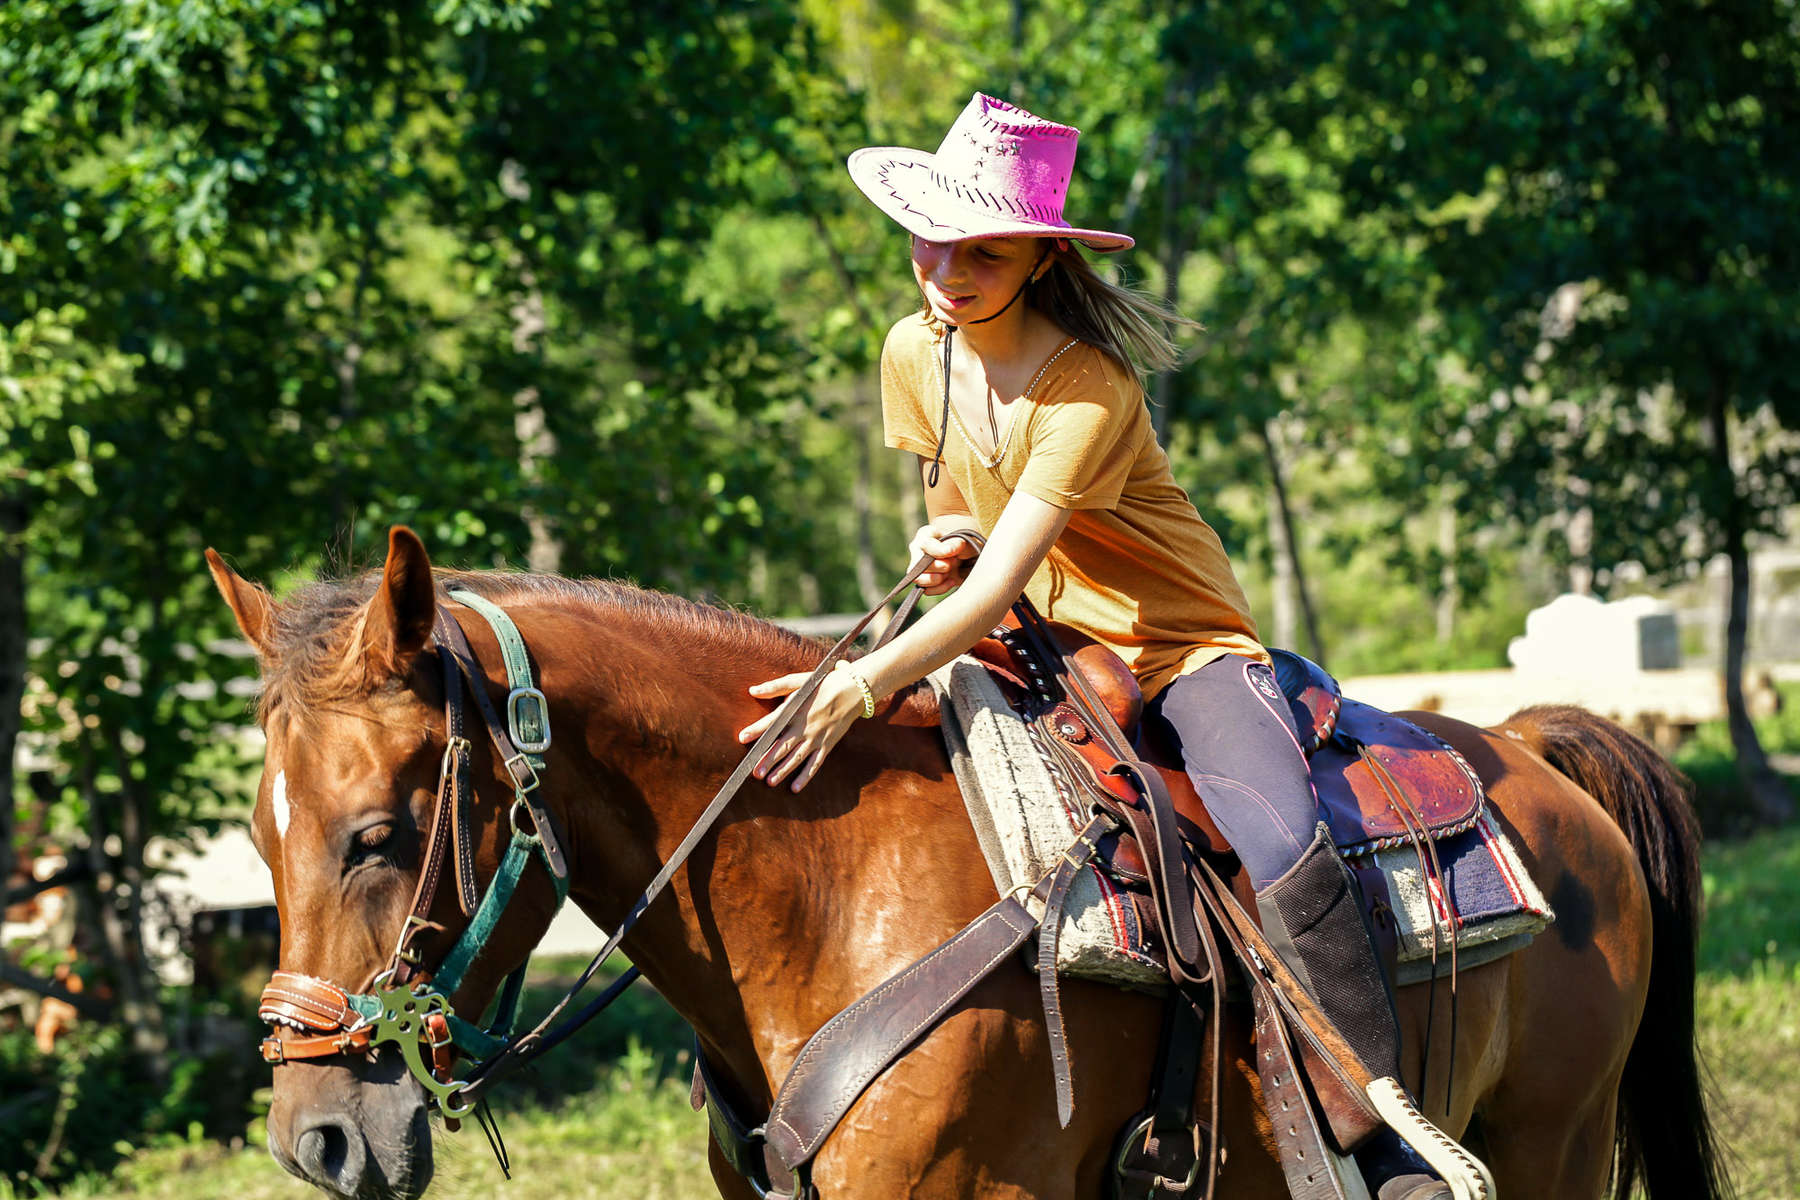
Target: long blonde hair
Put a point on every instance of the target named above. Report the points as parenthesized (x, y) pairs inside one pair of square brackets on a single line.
[(1136, 328)]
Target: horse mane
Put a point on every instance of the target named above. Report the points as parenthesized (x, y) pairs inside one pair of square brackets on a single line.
[(309, 660)]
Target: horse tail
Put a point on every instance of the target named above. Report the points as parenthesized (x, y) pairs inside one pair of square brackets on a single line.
[(1663, 1134)]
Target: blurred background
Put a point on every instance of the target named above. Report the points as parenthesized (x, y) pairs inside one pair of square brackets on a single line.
[(1494, 401)]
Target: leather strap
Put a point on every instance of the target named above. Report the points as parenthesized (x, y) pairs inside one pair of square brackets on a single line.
[(1152, 818), (516, 763), (1299, 1142), (304, 1001), (1163, 1149), (277, 1050), (843, 1058), (1049, 938), (839, 1062), (1339, 1077), (527, 719), (456, 786), (452, 811), (543, 1036)]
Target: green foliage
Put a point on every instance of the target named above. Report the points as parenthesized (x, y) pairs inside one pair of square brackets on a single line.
[(589, 278), (93, 1103)]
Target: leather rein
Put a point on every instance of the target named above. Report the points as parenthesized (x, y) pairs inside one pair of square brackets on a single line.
[(407, 1003)]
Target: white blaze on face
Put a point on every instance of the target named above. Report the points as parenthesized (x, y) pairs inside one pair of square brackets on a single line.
[(281, 804)]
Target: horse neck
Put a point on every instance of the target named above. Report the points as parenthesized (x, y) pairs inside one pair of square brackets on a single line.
[(787, 910)]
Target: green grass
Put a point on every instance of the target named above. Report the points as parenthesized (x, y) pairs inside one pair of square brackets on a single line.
[(1749, 1007), (607, 1116)]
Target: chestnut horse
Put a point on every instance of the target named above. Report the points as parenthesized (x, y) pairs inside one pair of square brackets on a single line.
[(1572, 1052)]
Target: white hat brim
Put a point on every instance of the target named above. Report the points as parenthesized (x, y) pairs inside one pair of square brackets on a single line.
[(897, 180)]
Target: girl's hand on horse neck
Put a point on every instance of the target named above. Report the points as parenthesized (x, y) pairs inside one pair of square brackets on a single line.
[(1027, 528)]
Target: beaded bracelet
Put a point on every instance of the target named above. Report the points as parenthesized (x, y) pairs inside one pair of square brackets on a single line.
[(862, 685)]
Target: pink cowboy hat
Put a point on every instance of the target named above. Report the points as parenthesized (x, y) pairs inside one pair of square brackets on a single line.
[(1000, 172)]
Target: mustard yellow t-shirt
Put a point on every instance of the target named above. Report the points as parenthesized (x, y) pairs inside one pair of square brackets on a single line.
[(1136, 568)]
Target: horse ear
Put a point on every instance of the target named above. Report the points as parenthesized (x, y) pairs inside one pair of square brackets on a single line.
[(250, 604), (404, 607)]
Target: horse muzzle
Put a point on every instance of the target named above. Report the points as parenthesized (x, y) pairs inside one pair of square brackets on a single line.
[(357, 1129)]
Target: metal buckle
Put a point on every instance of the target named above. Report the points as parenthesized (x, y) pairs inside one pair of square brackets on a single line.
[(530, 773), (517, 714)]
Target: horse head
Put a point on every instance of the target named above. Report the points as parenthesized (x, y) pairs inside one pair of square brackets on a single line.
[(353, 712)]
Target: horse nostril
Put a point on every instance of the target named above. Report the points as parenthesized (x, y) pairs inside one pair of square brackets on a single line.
[(331, 1155)]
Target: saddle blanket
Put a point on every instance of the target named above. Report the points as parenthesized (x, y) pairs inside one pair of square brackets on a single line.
[(1025, 815), (1495, 906)]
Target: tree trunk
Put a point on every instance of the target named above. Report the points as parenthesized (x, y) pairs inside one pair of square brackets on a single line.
[(868, 578), (12, 659), (1175, 243), (121, 949), (530, 425), (1284, 615), (1447, 589), (536, 443), (1287, 545), (1769, 797)]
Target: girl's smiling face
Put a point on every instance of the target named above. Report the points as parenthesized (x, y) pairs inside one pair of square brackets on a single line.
[(967, 281)]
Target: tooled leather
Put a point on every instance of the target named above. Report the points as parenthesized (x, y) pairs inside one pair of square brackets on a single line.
[(1444, 792), (1312, 695), (1444, 789), (1049, 987)]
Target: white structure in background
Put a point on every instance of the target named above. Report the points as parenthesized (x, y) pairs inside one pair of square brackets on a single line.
[(224, 874), (1621, 660), (1579, 635)]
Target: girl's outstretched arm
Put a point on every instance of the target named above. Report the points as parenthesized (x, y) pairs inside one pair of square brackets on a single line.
[(1027, 528)]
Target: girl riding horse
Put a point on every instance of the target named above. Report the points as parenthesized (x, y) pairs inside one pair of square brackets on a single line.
[(1038, 362)]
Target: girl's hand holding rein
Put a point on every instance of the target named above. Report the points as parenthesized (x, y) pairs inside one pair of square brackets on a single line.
[(949, 554), (1027, 528)]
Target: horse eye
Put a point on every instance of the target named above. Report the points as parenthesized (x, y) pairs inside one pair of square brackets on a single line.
[(371, 843)]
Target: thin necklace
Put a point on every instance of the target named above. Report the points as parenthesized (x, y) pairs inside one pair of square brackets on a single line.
[(937, 456), (1030, 388)]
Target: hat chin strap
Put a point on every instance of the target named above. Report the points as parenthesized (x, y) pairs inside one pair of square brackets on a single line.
[(937, 456), (1030, 278)]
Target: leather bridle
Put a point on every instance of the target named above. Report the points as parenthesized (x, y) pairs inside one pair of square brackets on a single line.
[(407, 1003)]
